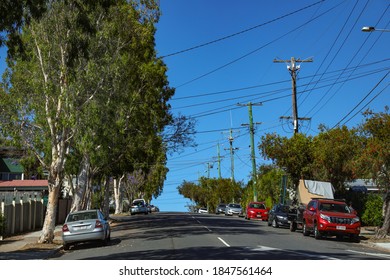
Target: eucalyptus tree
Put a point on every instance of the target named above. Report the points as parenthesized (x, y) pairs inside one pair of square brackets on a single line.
[(374, 161), (333, 154), (294, 155)]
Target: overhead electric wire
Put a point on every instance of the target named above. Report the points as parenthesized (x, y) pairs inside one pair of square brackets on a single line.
[(361, 101), (259, 48), (242, 31)]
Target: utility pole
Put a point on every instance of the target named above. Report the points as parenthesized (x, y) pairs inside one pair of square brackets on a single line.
[(231, 149), (293, 68), (252, 145), (219, 162)]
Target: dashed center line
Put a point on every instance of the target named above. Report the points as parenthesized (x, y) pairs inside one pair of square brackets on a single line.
[(224, 242)]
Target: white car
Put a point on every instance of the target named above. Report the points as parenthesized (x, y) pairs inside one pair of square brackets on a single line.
[(202, 210), (233, 209), (139, 207)]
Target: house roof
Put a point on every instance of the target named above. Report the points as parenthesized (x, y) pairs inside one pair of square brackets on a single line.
[(10, 165), (23, 185)]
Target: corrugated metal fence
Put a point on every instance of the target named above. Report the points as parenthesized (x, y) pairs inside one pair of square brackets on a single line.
[(22, 212)]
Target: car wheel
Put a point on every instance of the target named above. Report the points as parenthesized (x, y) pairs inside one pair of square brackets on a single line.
[(304, 230), (317, 234), (269, 222), (274, 223), (66, 247), (354, 238), (293, 226)]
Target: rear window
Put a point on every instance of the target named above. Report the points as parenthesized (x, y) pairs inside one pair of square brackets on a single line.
[(82, 216), (257, 206)]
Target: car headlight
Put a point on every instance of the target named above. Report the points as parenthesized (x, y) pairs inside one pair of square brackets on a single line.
[(325, 217), (355, 220)]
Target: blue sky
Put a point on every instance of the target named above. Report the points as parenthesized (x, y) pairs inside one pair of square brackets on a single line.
[(221, 53)]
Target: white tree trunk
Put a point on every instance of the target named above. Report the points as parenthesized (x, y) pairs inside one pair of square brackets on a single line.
[(118, 195), (81, 186)]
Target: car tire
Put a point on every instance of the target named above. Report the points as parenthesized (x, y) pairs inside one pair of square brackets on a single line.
[(269, 222), (274, 223), (354, 238), (293, 226), (317, 234), (304, 229), (66, 247)]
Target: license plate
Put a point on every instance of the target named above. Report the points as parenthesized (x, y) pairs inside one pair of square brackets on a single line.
[(81, 228), (259, 215), (341, 227)]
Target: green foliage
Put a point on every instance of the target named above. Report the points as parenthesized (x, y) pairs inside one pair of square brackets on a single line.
[(372, 215), (2, 225), (210, 192), (292, 154)]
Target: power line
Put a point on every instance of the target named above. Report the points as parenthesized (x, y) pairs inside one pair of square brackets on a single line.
[(361, 101), (241, 32)]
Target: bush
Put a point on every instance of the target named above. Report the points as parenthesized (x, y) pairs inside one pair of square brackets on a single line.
[(372, 215), (2, 225)]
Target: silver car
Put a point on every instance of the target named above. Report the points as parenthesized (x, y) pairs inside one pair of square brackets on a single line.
[(139, 207), (84, 226), (233, 209)]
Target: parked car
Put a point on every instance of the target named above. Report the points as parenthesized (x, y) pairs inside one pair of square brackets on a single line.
[(220, 208), (85, 226), (139, 207), (330, 217), (203, 210), (278, 216), (257, 210), (233, 209), (154, 208)]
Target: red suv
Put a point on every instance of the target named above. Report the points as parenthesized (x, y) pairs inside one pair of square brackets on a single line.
[(330, 217), (257, 210)]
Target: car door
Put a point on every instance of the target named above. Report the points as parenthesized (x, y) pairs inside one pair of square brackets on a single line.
[(311, 213)]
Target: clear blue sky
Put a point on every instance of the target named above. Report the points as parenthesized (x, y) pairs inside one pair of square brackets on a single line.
[(225, 70), (232, 47)]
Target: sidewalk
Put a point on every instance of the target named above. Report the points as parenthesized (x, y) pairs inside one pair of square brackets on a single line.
[(22, 247)]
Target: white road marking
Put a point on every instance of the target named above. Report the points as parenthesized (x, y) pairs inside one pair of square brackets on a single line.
[(371, 254), (207, 228), (265, 248), (224, 242)]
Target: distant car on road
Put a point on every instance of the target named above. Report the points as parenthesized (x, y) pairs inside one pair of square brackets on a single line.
[(220, 208), (278, 216), (233, 209), (85, 226), (257, 210), (203, 210), (139, 207)]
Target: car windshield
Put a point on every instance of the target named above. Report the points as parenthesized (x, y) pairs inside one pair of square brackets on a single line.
[(334, 207), (73, 217), (138, 203), (257, 206), (283, 209), (235, 205)]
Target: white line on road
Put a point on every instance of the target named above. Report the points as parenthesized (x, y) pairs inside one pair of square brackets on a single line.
[(224, 242), (207, 228), (371, 254)]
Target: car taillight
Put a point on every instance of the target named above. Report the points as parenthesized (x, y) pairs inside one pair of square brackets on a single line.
[(65, 228), (98, 224)]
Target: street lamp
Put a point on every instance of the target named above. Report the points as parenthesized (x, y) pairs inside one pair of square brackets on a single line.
[(372, 29)]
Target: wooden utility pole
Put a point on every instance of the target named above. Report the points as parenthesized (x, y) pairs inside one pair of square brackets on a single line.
[(231, 149), (293, 68), (252, 145)]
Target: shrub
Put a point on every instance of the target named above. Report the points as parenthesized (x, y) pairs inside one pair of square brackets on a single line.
[(372, 215), (2, 225)]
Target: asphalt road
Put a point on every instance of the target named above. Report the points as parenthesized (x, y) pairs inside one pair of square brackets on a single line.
[(190, 236)]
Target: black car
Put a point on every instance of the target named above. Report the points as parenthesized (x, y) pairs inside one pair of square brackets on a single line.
[(220, 208), (278, 216)]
